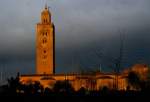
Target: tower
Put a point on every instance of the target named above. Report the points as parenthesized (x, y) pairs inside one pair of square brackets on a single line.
[(45, 44)]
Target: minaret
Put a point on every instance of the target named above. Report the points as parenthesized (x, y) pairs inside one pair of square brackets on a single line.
[(45, 44)]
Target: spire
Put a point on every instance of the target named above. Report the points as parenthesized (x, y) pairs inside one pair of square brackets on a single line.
[(46, 15), (46, 6)]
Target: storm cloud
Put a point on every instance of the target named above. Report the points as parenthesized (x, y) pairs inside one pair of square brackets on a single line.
[(84, 29)]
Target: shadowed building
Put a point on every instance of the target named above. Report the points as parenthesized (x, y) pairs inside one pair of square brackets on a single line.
[(45, 63)]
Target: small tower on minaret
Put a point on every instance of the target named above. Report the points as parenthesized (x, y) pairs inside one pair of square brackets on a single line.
[(45, 44)]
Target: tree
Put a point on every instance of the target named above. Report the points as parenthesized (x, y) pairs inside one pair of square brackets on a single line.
[(14, 84), (134, 80), (63, 87), (82, 91), (48, 91), (38, 88)]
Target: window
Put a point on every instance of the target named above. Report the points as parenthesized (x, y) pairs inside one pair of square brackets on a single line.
[(44, 57), (44, 63), (44, 33), (44, 51), (44, 41)]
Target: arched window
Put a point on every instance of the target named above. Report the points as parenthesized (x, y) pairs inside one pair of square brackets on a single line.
[(44, 41), (44, 63), (44, 51), (44, 56), (44, 33)]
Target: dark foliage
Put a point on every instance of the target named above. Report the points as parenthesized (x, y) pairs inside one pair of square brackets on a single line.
[(64, 88), (134, 80)]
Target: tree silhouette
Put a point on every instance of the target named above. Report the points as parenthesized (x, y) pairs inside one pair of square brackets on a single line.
[(134, 80), (14, 84), (63, 87), (48, 91), (81, 91)]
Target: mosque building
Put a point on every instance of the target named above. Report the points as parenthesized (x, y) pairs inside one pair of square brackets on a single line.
[(45, 63)]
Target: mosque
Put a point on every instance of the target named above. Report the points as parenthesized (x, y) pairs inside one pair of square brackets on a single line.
[(45, 63)]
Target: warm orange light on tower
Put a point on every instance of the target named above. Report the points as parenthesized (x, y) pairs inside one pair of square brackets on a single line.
[(45, 46)]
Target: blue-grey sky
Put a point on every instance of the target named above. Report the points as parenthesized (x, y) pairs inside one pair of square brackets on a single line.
[(83, 28)]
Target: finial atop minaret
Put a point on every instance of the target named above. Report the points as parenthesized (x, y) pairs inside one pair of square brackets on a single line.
[(46, 6)]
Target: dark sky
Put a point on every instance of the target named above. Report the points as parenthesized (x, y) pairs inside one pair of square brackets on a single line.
[(84, 28)]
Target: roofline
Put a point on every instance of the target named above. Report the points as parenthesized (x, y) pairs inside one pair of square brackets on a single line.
[(69, 74)]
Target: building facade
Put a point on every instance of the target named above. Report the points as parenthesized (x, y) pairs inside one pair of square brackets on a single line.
[(45, 64)]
